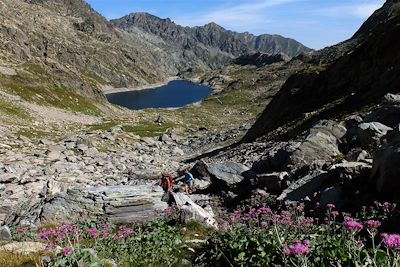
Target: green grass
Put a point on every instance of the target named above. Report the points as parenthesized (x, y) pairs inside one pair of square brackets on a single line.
[(148, 129), (10, 259), (31, 134), (12, 110), (36, 87)]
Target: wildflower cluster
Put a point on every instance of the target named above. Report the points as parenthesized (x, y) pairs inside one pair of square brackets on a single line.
[(264, 237)]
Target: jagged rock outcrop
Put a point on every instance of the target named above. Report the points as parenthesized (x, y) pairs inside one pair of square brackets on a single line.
[(347, 85), (207, 46), (259, 59)]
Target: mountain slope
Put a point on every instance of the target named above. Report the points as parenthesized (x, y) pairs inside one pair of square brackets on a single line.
[(73, 46), (351, 83), (209, 45)]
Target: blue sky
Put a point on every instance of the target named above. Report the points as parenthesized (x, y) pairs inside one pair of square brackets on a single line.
[(315, 23)]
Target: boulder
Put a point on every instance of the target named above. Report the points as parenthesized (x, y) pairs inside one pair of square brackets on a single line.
[(54, 155), (5, 234), (386, 171), (190, 211), (120, 204), (320, 143), (370, 133), (273, 182), (392, 99), (24, 248), (306, 186), (229, 173)]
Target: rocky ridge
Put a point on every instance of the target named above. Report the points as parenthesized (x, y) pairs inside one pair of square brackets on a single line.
[(207, 46)]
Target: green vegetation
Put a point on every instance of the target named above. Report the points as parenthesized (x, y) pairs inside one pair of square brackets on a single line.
[(33, 85), (12, 259)]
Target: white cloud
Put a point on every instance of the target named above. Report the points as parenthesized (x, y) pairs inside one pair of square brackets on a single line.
[(239, 16), (361, 10)]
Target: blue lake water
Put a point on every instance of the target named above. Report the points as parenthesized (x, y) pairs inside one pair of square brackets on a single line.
[(175, 94)]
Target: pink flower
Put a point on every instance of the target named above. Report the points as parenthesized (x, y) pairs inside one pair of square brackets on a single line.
[(50, 247), (264, 224), (391, 241), (23, 230), (93, 232), (352, 225), (334, 214), (47, 234), (330, 206), (373, 225), (298, 248), (300, 208), (67, 251), (235, 216), (264, 210), (104, 234)]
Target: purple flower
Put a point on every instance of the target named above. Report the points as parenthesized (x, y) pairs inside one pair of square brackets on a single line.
[(67, 251), (47, 234), (50, 247), (352, 225), (298, 248), (264, 210), (330, 206), (264, 224), (104, 234), (300, 208), (334, 214), (235, 217), (391, 241), (373, 224), (23, 230), (93, 232)]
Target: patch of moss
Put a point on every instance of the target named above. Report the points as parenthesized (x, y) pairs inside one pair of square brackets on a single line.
[(31, 134), (11, 259), (12, 110), (40, 90), (104, 126), (148, 129)]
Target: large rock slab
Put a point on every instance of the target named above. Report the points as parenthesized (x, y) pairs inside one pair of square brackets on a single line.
[(230, 172), (320, 143), (386, 171), (306, 186), (370, 133), (24, 248), (120, 204), (190, 211)]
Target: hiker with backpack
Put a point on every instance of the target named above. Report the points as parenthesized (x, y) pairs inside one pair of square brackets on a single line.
[(167, 182), (188, 182)]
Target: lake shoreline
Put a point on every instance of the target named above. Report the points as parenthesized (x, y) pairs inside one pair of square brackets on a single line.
[(111, 90)]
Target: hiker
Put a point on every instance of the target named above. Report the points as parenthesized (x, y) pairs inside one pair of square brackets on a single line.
[(167, 182), (188, 182)]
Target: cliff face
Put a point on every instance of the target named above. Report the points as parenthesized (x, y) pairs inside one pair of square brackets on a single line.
[(356, 80), (73, 46), (210, 45)]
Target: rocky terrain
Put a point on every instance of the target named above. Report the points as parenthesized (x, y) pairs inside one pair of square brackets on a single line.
[(208, 46), (328, 130)]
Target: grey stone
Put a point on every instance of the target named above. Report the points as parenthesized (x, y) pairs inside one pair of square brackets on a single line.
[(232, 173), (54, 155), (392, 99), (5, 234), (386, 171), (8, 71), (371, 133), (306, 186), (190, 211)]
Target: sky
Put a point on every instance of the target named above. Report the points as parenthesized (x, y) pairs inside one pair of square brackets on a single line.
[(315, 23)]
